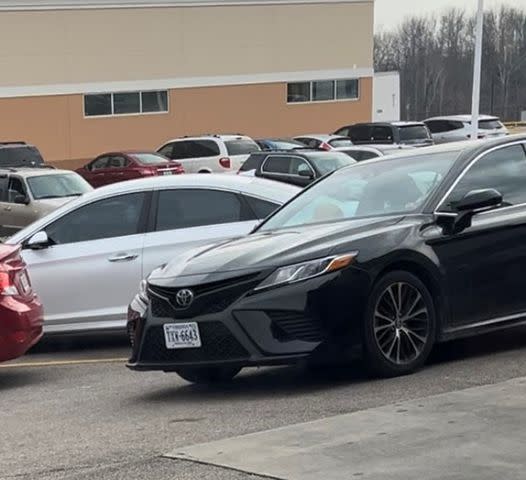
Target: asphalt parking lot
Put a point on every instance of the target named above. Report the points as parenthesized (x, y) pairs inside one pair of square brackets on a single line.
[(71, 410)]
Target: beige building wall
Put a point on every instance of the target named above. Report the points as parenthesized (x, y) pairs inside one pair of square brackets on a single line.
[(56, 47), (56, 124)]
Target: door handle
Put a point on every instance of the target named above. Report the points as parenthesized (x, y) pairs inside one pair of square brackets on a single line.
[(123, 257)]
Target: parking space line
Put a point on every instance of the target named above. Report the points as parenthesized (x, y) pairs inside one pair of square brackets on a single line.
[(56, 363)]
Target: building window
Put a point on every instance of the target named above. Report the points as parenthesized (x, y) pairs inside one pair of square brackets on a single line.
[(125, 103), (323, 91)]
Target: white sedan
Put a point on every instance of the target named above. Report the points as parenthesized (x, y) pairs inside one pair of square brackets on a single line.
[(87, 258)]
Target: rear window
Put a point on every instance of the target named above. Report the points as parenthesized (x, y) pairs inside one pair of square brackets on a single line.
[(149, 158), (414, 132), (20, 156), (340, 142), (490, 124), (330, 161), (241, 146)]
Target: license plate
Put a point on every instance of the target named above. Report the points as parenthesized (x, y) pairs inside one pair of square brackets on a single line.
[(167, 172), (24, 282), (181, 335)]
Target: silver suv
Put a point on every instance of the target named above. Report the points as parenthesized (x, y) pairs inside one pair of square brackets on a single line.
[(210, 153), (27, 194)]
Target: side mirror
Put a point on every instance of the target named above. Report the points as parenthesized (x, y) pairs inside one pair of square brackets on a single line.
[(306, 173), (473, 202), (38, 241), (479, 199), (21, 200)]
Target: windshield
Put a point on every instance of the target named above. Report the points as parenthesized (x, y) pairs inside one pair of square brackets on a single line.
[(57, 186), (241, 147), (385, 187), (150, 158), (328, 162), (414, 132)]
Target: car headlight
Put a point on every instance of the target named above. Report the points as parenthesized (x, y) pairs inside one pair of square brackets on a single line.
[(306, 270), (143, 294)]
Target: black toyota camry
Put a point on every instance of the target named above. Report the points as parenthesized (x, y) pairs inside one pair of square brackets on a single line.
[(390, 256)]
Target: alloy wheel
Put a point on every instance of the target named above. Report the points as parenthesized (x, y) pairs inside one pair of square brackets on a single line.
[(401, 323)]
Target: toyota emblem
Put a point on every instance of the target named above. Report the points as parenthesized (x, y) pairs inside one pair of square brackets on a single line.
[(184, 298)]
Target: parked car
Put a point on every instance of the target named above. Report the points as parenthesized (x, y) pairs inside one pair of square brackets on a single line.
[(392, 255), (298, 167), (414, 134), (324, 142), (364, 152), (19, 154), (21, 314), (27, 194), (210, 153), (119, 166), (268, 144), (86, 258), (455, 128)]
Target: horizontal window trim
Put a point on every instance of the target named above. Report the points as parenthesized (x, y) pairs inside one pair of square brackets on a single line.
[(333, 100), (133, 114), (18, 5), (183, 82)]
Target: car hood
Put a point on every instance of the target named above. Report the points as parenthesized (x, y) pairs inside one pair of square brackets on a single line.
[(266, 250), (52, 203)]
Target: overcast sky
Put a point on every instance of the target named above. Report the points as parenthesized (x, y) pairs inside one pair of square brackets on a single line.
[(391, 12)]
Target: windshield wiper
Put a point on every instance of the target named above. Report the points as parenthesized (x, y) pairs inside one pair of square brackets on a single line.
[(46, 197)]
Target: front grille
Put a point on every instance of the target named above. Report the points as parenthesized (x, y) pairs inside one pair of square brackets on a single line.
[(217, 344), (297, 326), (209, 298)]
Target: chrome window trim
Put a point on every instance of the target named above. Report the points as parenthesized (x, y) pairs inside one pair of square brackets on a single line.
[(468, 167), (286, 174)]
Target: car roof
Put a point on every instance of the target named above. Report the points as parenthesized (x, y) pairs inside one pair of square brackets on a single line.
[(324, 137), (223, 137), (259, 187), (34, 172), (15, 145), (462, 118)]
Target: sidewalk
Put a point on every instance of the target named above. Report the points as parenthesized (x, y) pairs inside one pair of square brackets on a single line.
[(474, 434)]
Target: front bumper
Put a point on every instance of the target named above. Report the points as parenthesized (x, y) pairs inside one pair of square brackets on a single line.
[(278, 326), (20, 326)]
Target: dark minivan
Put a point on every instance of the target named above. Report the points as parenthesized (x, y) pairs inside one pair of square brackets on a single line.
[(19, 154)]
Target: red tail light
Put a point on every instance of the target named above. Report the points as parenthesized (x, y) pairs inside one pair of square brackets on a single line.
[(325, 146), (225, 162), (145, 172), (7, 285)]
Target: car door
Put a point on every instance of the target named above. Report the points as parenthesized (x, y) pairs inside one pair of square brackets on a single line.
[(91, 269), (485, 264), (117, 171), (16, 209), (301, 172), (277, 167), (185, 219), (97, 171)]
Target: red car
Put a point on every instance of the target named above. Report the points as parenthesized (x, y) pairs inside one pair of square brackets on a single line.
[(21, 313), (119, 166)]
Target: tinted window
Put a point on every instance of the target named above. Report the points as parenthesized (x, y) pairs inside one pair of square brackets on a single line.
[(360, 133), (298, 165), (340, 142), (155, 101), (276, 164), (323, 90), (195, 149), (241, 147), (20, 156), (382, 134), (97, 104), (309, 142), (194, 208), (57, 186), (298, 92), (490, 124), (414, 132), (126, 103), (436, 126), (262, 208), (100, 163), (149, 158), (3, 188), (398, 185), (112, 217), (167, 150), (503, 170), (330, 161), (15, 188), (251, 163)]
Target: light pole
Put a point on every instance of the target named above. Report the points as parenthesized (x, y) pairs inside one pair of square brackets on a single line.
[(477, 68)]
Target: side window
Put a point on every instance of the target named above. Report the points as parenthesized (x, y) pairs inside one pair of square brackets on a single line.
[(344, 132), (202, 148), (195, 208), (382, 134), (108, 218), (167, 150), (180, 150), (435, 126), (3, 188), (99, 163), (360, 133), (367, 155), (276, 164), (117, 161), (297, 165), (15, 189), (503, 169), (262, 208)]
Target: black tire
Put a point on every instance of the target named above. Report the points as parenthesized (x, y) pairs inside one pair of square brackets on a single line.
[(207, 375), (411, 338)]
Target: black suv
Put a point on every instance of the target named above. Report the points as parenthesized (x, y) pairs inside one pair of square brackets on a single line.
[(415, 134), (298, 167), (19, 154)]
